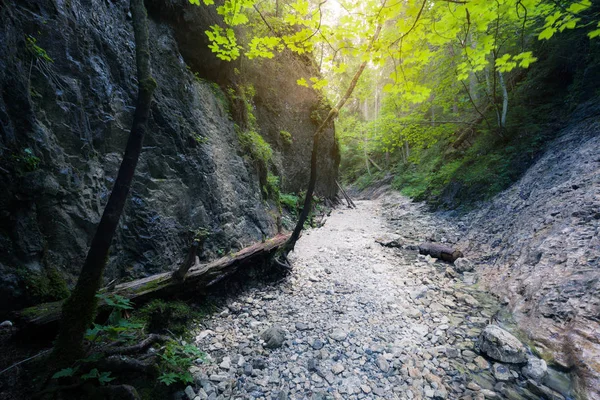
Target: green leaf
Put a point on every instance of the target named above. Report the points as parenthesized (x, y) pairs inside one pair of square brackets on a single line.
[(90, 375), (302, 82), (547, 33), (593, 34), (579, 6), (65, 372), (105, 377), (94, 357), (168, 378)]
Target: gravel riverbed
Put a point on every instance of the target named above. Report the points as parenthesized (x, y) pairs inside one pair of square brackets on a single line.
[(362, 316)]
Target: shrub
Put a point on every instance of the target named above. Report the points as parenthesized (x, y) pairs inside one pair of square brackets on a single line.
[(290, 202), (271, 189)]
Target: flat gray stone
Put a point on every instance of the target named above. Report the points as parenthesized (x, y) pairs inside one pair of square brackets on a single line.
[(501, 345), (273, 337)]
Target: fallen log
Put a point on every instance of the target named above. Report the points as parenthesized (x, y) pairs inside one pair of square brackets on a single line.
[(440, 251), (163, 285)]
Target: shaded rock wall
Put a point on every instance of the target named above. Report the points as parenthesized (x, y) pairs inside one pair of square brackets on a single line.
[(275, 114), (538, 246), (65, 111)]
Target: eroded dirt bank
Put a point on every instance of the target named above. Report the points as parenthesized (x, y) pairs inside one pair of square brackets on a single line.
[(359, 320)]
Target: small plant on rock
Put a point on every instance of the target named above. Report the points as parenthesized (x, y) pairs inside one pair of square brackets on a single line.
[(286, 137), (36, 50)]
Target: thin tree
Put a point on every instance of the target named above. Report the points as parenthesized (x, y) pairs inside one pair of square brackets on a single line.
[(333, 113), (79, 310)]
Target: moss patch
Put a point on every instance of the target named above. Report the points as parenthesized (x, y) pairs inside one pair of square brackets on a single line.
[(45, 286), (175, 316)]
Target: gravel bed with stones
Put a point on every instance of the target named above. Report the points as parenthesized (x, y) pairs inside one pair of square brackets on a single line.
[(362, 316)]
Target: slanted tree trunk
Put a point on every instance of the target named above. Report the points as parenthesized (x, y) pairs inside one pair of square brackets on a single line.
[(79, 310), (375, 164), (291, 243)]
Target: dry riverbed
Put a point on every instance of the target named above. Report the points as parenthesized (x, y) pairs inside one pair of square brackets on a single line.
[(363, 316)]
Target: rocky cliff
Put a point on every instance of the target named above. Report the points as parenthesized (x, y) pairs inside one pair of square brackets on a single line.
[(68, 85), (538, 247)]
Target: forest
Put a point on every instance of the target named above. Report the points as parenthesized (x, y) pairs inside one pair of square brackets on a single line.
[(195, 188)]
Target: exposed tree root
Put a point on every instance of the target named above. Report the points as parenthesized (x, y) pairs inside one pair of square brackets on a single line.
[(136, 348), (118, 363)]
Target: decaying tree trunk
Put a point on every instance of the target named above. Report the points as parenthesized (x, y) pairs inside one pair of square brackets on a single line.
[(198, 279), (79, 310), (440, 251)]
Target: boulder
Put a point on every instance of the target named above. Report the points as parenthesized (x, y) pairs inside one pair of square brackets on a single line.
[(273, 337), (501, 345), (535, 369), (463, 265)]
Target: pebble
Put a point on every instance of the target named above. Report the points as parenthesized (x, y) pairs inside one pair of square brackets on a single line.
[(501, 373), (189, 392), (338, 334), (317, 344), (337, 368)]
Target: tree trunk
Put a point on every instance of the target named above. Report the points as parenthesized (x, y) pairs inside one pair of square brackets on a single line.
[(198, 280), (189, 261), (346, 196), (365, 153), (504, 100), (440, 251), (291, 243), (432, 112), (374, 164), (79, 310)]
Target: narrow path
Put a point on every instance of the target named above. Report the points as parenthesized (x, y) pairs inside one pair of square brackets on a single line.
[(360, 320)]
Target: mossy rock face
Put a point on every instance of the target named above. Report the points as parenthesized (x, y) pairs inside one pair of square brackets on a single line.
[(45, 286)]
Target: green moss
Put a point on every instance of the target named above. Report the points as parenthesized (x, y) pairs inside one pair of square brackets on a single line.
[(45, 286), (258, 149), (149, 84), (319, 111), (27, 161), (271, 188), (175, 316), (152, 285), (286, 137), (41, 310)]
